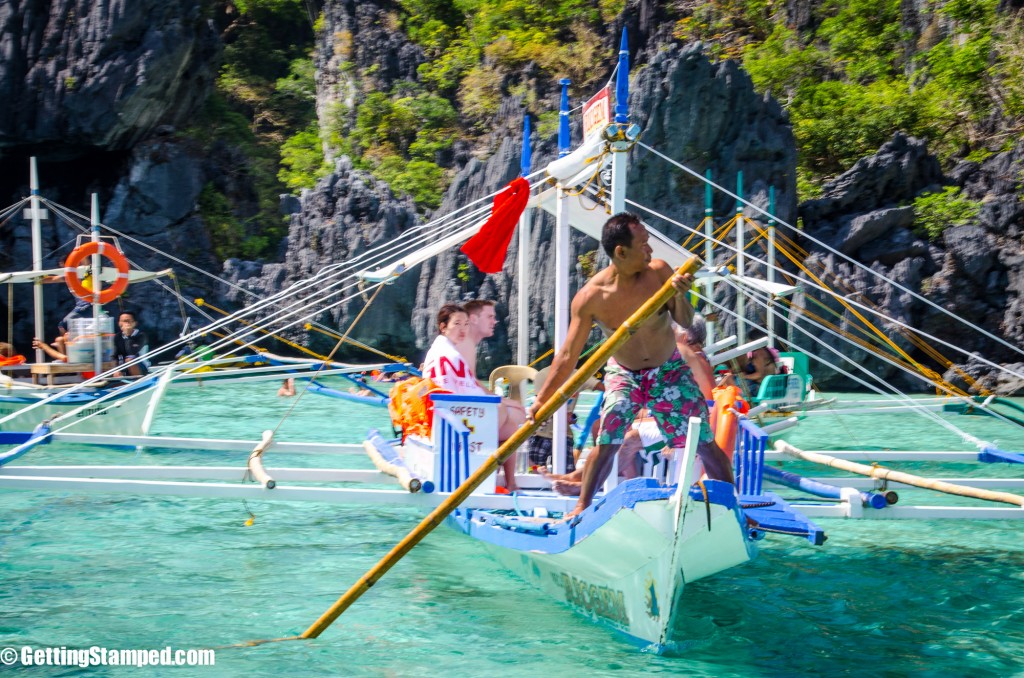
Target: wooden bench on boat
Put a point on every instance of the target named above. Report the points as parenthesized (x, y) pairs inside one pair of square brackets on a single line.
[(53, 369)]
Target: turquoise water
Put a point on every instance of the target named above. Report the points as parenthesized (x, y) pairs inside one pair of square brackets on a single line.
[(117, 571)]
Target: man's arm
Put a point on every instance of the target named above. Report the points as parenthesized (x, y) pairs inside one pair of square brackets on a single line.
[(580, 322), (679, 305)]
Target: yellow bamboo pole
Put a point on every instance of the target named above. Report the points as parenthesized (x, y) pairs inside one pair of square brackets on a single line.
[(900, 477), (437, 516)]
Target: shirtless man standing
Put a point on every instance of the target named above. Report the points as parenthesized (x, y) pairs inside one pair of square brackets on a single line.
[(647, 371)]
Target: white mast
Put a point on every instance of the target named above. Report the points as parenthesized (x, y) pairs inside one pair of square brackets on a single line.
[(709, 253), (36, 214), (523, 343), (559, 425), (771, 264), (741, 298)]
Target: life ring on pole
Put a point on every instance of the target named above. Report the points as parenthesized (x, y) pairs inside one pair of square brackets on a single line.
[(104, 250)]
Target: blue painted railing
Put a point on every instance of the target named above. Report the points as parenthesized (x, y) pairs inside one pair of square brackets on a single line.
[(748, 459), (453, 446)]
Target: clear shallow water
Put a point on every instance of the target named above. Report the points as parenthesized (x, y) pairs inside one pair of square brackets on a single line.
[(922, 598)]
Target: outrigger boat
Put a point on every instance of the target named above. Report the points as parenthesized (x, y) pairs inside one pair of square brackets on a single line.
[(625, 561), (91, 403)]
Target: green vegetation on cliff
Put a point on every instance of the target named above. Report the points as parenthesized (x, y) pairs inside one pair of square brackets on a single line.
[(861, 74), (851, 74)]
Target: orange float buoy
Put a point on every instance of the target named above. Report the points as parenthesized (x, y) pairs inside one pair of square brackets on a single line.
[(104, 250)]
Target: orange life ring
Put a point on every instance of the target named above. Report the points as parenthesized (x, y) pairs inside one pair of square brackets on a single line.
[(726, 425), (13, 360), (87, 250)]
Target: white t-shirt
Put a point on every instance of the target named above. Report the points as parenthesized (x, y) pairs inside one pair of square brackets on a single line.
[(446, 367)]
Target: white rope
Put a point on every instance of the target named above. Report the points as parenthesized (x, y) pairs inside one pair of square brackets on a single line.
[(833, 250), (281, 315), (874, 311), (761, 299)]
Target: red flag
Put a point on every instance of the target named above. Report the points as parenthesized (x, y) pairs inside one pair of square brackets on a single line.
[(488, 247)]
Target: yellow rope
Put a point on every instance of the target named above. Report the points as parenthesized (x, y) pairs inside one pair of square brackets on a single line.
[(869, 330), (356, 343), (330, 356), (911, 335), (298, 347)]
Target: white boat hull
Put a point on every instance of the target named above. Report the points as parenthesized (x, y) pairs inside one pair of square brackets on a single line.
[(120, 416), (630, 573)]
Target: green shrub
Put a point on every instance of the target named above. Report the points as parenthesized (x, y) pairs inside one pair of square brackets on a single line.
[(935, 212), (226, 231), (302, 160)]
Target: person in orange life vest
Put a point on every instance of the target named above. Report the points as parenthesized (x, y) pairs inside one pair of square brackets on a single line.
[(446, 367)]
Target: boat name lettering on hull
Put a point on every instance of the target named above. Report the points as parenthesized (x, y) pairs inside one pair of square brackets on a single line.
[(600, 600)]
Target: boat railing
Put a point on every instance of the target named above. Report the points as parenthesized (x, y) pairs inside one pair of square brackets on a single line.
[(781, 389), (748, 460), (452, 438)]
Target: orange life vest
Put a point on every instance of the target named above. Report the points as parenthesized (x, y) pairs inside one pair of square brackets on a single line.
[(13, 360), (724, 424), (410, 408)]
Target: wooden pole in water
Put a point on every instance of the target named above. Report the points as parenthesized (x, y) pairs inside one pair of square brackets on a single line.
[(899, 477), (437, 516)]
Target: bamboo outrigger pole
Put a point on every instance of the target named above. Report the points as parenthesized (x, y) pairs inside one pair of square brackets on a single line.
[(883, 473), (437, 516)]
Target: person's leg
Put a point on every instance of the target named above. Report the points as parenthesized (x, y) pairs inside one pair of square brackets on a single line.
[(716, 462), (599, 465), (511, 416), (628, 459), (617, 414), (510, 473)]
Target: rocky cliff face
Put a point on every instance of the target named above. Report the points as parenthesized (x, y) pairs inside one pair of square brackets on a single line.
[(79, 76), (974, 271)]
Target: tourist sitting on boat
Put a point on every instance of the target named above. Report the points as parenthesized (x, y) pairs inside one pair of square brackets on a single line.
[(287, 389), (761, 363), (648, 369), (131, 343), (690, 341), (482, 320), (446, 367), (55, 355)]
